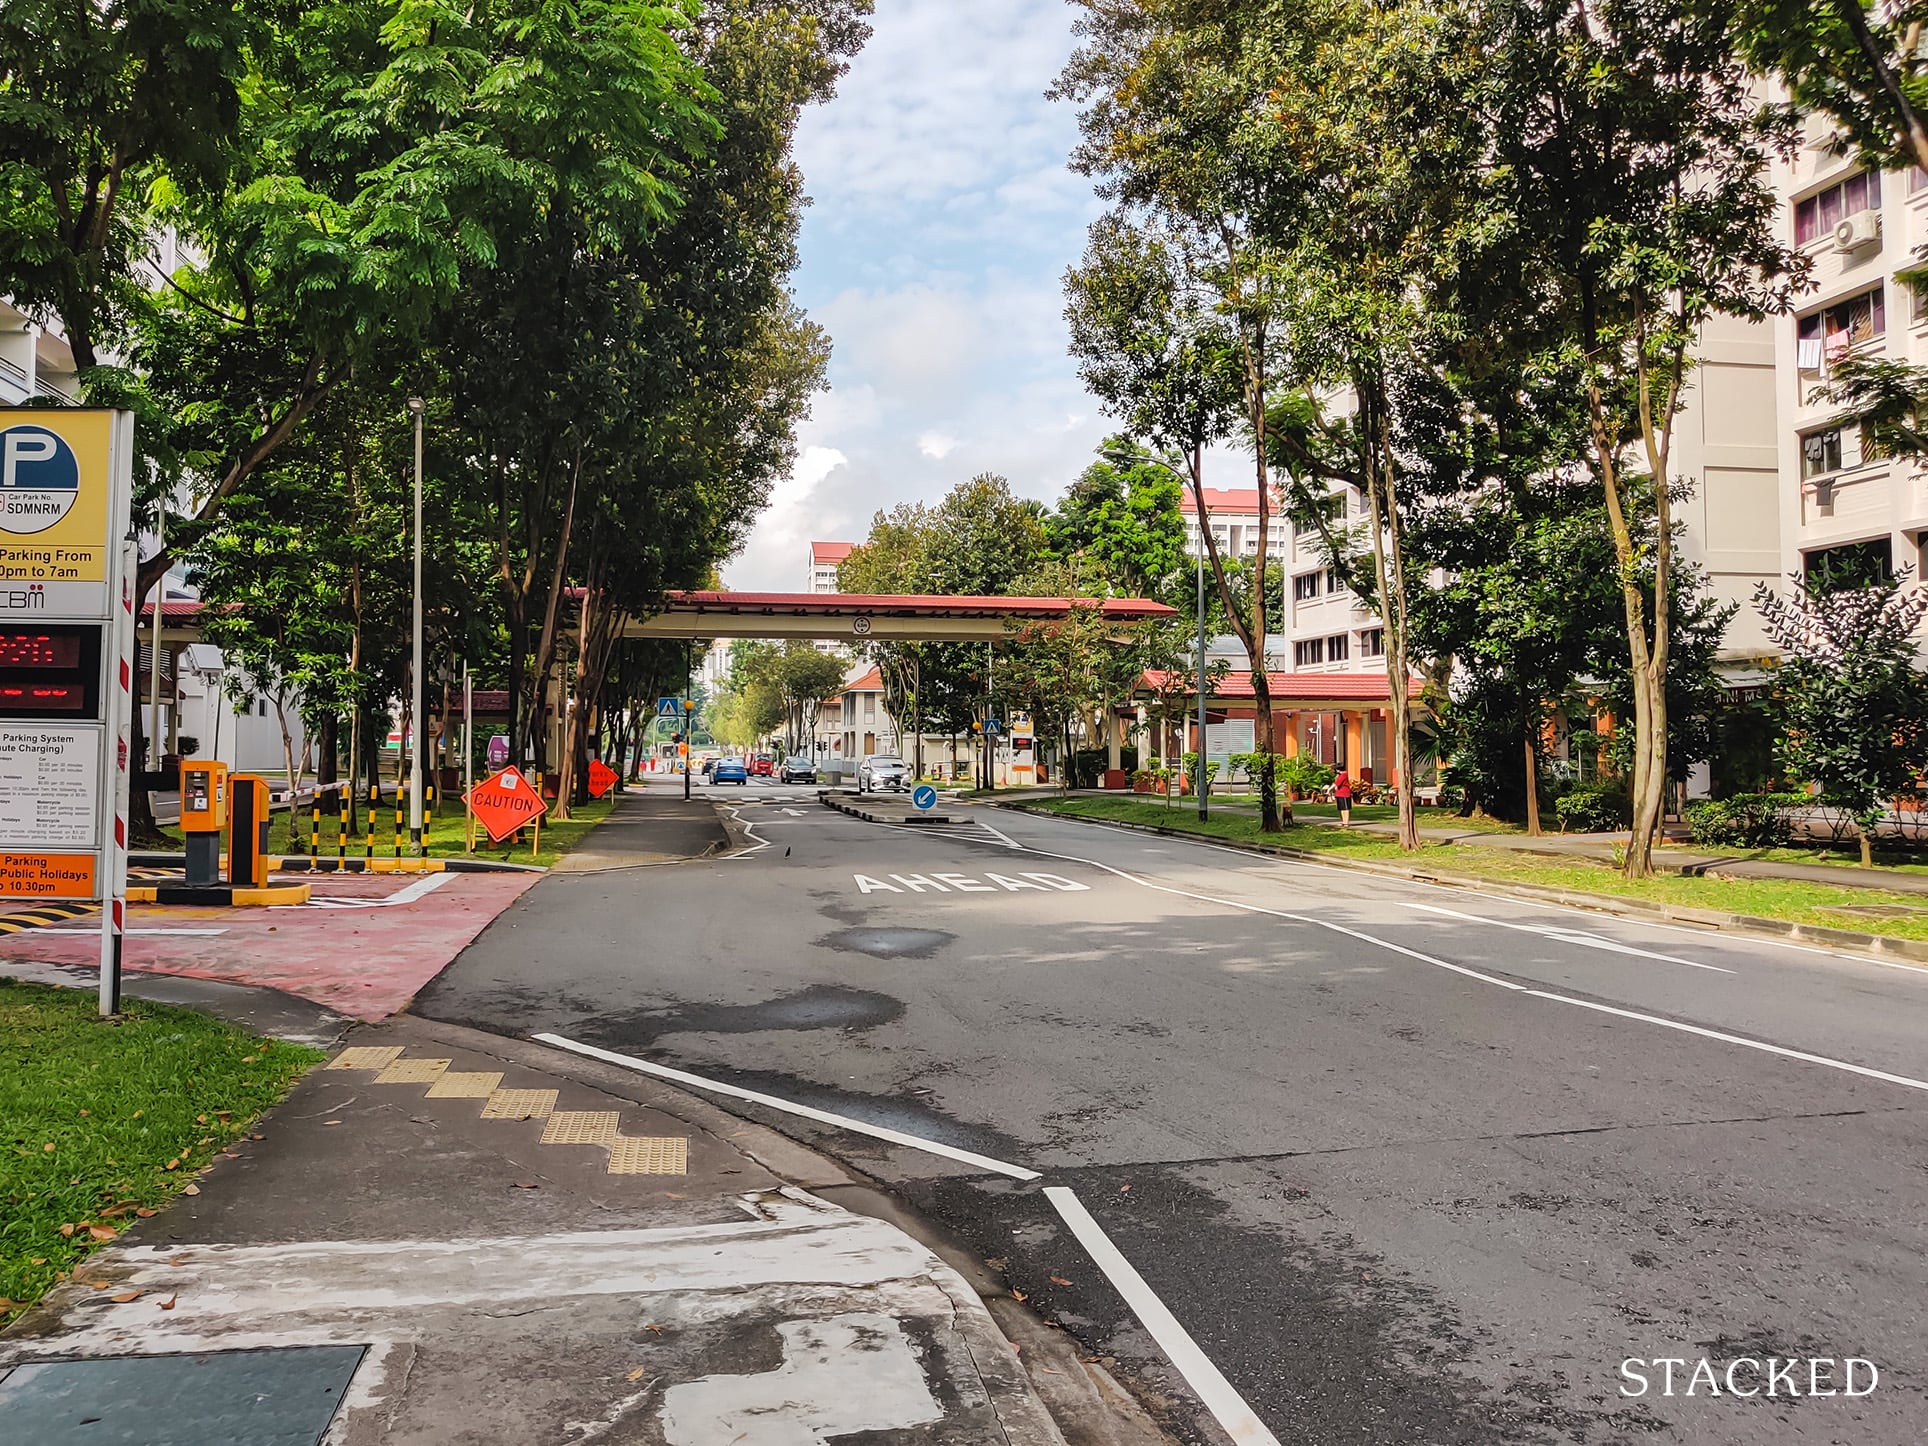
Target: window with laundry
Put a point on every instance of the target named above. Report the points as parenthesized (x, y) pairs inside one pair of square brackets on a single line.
[(1826, 335), (1827, 450), (1818, 215)]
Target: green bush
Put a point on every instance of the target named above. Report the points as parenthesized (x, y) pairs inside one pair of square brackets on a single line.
[(1191, 770), (1745, 821), (1593, 808), (1306, 774)]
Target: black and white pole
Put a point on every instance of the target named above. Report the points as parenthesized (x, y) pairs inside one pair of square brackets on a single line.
[(120, 717)]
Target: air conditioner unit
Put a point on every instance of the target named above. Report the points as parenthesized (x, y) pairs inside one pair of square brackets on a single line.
[(1863, 228)]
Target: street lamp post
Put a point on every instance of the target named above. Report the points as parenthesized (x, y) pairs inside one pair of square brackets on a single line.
[(418, 725), (1204, 807)]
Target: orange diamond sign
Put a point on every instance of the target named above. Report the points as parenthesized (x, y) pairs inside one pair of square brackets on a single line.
[(602, 778), (503, 802)]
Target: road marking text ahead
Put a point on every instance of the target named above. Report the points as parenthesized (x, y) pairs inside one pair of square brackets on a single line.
[(967, 884)]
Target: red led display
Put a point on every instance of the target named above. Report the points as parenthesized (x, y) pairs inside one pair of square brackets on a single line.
[(38, 648), (41, 698)]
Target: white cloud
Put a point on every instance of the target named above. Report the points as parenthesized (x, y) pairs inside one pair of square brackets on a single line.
[(944, 216)]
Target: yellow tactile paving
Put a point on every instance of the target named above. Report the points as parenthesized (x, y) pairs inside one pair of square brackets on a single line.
[(580, 1127), (465, 1085), (649, 1155), (414, 1071), (367, 1056), (519, 1104)]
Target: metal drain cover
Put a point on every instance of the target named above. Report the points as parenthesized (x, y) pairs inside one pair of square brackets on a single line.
[(283, 1397)]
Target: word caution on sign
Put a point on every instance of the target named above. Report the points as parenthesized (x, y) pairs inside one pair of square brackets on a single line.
[(503, 802)]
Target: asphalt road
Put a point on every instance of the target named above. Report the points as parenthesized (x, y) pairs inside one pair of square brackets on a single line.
[(1411, 1165)]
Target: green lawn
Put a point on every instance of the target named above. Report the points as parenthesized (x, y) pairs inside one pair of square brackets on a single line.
[(104, 1122), (446, 835), (1793, 901)]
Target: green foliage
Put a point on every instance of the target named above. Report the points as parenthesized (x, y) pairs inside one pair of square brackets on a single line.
[(1304, 774), (1593, 808), (1852, 702), (1123, 515), (101, 1118), (1747, 820)]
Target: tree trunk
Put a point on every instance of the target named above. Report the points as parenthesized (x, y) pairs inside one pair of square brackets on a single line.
[(1866, 831), (1532, 783)]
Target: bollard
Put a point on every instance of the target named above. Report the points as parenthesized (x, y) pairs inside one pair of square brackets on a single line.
[(314, 827), (401, 818), (368, 824), (341, 827)]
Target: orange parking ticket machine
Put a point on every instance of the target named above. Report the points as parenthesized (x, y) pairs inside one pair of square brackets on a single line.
[(204, 817), (248, 819)]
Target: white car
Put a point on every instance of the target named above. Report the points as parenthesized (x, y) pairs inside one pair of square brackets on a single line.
[(882, 771)]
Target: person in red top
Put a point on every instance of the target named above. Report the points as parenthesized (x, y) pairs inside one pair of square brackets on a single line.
[(1342, 795)]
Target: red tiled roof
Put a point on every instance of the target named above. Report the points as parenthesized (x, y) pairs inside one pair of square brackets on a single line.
[(870, 682), (830, 551), (1233, 501), (1316, 687), (838, 604), (173, 608)]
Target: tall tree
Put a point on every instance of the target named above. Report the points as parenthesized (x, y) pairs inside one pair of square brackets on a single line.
[(1853, 703), (1637, 151)]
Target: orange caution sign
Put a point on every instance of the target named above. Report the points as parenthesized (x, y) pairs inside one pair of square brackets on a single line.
[(47, 876), (602, 778), (503, 802)]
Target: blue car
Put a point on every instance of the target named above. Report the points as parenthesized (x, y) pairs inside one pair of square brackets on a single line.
[(730, 770)]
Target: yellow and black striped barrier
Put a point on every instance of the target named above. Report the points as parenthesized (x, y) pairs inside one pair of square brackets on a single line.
[(17, 920)]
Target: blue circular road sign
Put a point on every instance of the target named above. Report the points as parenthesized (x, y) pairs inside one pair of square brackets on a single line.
[(924, 796)]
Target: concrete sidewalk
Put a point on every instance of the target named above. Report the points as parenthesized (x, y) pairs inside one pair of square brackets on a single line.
[(445, 1237), (649, 825)]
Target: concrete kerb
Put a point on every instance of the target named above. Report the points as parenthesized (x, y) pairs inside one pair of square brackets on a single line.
[(842, 803), (1915, 951)]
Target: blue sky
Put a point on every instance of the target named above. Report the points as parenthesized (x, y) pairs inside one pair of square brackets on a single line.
[(943, 218)]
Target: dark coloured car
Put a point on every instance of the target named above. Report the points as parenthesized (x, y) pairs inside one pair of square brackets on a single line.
[(798, 769), (730, 770)]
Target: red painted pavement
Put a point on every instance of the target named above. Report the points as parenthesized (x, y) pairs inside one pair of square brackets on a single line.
[(363, 962)]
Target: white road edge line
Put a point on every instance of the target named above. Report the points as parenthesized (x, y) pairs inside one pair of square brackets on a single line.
[(749, 831), (1705, 1033), (1562, 934), (407, 894), (842, 1122), (95, 933), (1468, 891), (1786, 1053), (1228, 1408)]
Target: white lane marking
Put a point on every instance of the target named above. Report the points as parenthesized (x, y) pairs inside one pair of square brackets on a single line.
[(1705, 1033), (998, 834), (407, 894), (1208, 1383), (1782, 1050), (794, 812), (1469, 892), (95, 933), (749, 831), (844, 1122), (1563, 934), (1273, 913)]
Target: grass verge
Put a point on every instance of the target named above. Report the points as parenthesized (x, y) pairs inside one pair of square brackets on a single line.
[(103, 1122), (1794, 901)]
